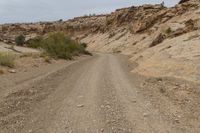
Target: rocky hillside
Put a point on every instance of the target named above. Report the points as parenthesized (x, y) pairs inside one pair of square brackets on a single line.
[(163, 41)]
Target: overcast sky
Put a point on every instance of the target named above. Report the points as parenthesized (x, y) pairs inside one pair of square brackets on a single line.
[(46, 10)]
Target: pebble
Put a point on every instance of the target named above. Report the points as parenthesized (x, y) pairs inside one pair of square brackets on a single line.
[(142, 84), (108, 106), (102, 106), (151, 95), (35, 65), (145, 114), (80, 105), (134, 100), (12, 71), (80, 96), (177, 121)]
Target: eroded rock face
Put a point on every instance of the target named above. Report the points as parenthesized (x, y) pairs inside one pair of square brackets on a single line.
[(134, 19), (183, 1), (159, 38)]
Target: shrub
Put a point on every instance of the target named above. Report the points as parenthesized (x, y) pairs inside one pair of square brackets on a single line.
[(47, 59), (20, 40), (57, 45), (7, 59), (34, 43), (84, 45), (168, 30)]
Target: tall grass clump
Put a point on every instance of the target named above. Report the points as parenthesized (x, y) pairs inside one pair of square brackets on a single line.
[(7, 59), (57, 45)]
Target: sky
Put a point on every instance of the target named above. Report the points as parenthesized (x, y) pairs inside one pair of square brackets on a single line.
[(12, 11)]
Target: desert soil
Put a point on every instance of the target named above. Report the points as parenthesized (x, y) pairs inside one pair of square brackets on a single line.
[(92, 95)]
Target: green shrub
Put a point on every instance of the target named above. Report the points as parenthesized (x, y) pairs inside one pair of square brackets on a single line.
[(34, 43), (57, 45), (7, 59), (20, 40)]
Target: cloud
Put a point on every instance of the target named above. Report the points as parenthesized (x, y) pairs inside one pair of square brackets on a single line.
[(44, 10)]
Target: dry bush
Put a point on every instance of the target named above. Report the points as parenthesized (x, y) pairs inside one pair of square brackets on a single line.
[(7, 59)]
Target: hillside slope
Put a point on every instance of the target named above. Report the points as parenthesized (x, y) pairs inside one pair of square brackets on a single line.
[(163, 41)]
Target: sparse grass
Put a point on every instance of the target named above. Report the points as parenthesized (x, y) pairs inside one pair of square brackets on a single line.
[(168, 30), (7, 59), (47, 59), (57, 45)]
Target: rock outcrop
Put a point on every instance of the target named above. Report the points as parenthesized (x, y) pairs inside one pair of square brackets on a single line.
[(159, 39), (183, 1)]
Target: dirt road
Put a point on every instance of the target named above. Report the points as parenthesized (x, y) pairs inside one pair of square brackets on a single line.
[(92, 95)]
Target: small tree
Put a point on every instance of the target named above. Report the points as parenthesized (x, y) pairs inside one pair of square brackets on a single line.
[(20, 40), (163, 4), (60, 20)]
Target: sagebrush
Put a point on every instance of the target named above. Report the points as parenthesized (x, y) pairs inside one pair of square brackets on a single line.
[(57, 45)]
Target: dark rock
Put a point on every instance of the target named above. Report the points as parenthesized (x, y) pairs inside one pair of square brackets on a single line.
[(183, 1)]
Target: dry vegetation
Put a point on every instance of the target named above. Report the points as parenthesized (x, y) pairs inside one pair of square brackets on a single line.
[(7, 59), (57, 45)]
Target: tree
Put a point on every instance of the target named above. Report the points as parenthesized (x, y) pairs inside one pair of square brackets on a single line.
[(163, 4)]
